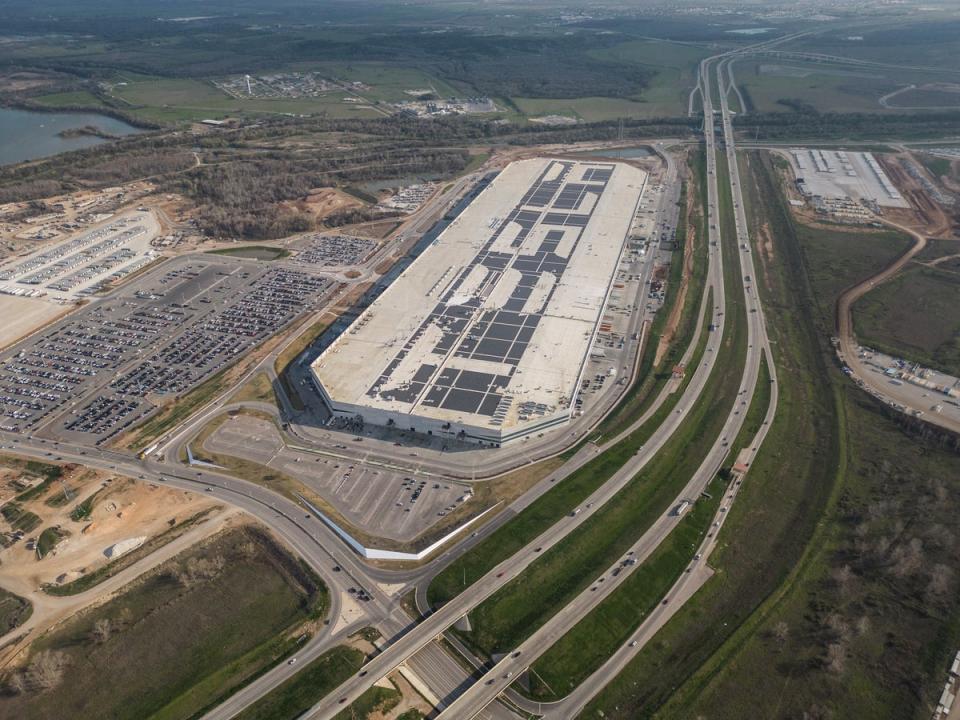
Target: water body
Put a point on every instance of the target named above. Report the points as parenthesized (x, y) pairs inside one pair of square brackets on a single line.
[(26, 135)]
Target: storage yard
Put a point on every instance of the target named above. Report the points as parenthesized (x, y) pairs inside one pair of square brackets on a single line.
[(842, 180), (329, 251), (913, 388), (83, 264), (99, 371), (487, 335)]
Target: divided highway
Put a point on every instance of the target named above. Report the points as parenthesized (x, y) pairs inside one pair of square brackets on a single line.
[(505, 672)]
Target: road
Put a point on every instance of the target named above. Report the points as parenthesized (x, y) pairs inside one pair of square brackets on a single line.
[(504, 673)]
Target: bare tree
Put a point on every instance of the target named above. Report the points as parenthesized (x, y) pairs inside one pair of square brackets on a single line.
[(940, 577), (15, 683), (907, 559), (842, 576), (45, 671), (101, 631), (781, 631), (836, 658)]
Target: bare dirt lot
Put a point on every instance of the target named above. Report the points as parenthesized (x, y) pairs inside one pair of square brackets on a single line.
[(23, 315)]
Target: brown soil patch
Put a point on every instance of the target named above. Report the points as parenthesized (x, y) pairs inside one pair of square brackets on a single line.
[(322, 202), (122, 509), (670, 326), (925, 214)]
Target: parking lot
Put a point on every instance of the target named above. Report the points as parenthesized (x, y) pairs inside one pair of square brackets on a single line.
[(80, 266), (332, 250), (108, 366), (380, 501)]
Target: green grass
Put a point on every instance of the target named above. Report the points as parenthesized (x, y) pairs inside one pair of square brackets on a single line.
[(388, 82), (48, 540), (914, 316), (180, 637), (79, 98), (254, 252), (840, 257), (375, 700), (605, 628), (310, 684), (938, 166), (180, 99), (520, 607), (14, 611), (827, 88), (19, 518)]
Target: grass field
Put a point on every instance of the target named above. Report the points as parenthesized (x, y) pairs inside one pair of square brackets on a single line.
[(374, 702), (840, 257), (253, 252), (914, 316), (517, 609), (311, 683), (939, 166), (256, 389), (388, 82), (827, 88), (69, 99), (174, 641)]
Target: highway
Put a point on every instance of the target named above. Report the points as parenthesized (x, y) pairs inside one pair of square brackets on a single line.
[(504, 673)]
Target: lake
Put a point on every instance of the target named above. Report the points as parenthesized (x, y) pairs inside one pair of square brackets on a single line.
[(26, 135)]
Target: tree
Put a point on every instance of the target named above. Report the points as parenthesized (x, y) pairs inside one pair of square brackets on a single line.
[(101, 631), (45, 671), (781, 631)]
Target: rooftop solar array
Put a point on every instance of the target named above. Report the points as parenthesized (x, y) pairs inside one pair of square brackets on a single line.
[(491, 325)]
